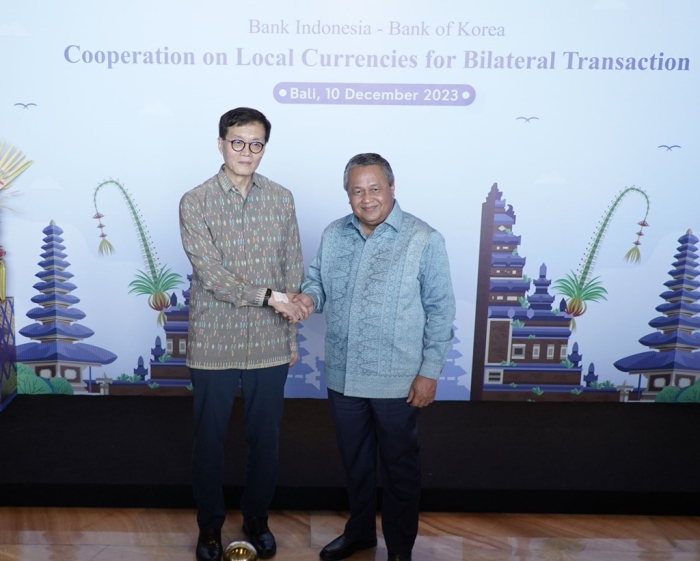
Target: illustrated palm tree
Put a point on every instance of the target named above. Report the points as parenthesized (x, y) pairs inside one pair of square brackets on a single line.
[(12, 165), (580, 287), (155, 281)]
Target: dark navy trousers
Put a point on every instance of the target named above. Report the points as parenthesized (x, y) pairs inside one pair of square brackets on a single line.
[(364, 426), (263, 400)]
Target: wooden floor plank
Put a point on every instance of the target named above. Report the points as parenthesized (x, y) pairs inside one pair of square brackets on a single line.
[(105, 534)]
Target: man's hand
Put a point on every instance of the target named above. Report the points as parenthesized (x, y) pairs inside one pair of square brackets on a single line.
[(295, 358), (306, 301), (422, 392), (294, 312)]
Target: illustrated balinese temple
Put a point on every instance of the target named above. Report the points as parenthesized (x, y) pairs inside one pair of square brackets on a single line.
[(673, 360), (57, 350), (521, 342), (167, 373)]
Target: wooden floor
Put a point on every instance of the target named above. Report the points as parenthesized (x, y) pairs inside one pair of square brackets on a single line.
[(58, 534)]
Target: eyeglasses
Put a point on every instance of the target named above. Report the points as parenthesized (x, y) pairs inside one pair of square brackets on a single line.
[(238, 145)]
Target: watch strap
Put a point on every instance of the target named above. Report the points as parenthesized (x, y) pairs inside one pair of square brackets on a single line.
[(266, 298)]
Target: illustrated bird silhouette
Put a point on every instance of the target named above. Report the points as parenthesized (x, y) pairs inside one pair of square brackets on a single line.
[(669, 148), (25, 105), (528, 119)]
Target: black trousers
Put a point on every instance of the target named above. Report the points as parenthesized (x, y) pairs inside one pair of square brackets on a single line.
[(263, 400), (391, 426)]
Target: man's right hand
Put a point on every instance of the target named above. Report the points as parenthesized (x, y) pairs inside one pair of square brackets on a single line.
[(306, 301), (292, 311)]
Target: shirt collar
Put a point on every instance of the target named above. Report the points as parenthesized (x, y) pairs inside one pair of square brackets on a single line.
[(393, 220), (228, 186)]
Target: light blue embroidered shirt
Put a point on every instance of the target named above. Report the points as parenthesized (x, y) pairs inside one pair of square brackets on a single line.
[(389, 304)]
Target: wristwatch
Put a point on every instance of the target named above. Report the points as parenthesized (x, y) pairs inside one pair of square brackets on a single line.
[(266, 299)]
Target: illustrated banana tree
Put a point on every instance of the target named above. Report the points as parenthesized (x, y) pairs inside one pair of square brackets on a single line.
[(155, 281), (579, 287), (12, 165)]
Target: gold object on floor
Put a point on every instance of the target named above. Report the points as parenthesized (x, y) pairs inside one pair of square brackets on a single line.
[(240, 551)]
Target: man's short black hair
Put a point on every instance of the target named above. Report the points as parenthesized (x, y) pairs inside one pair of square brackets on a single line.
[(368, 159), (243, 116)]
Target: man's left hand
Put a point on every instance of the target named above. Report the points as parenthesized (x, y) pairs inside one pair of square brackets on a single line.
[(422, 392), (295, 357)]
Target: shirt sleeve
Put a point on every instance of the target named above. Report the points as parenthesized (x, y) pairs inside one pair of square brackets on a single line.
[(293, 268), (438, 302), (313, 283), (206, 258)]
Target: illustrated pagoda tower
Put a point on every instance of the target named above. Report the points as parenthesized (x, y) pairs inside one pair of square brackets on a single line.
[(673, 360), (57, 350), (495, 244), (521, 343)]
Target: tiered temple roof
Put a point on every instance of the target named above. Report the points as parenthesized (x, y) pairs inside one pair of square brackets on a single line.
[(677, 336), (56, 328)]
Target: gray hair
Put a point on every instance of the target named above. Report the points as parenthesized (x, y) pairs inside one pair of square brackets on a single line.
[(368, 159)]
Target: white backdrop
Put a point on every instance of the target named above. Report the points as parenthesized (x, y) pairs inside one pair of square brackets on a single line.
[(154, 126)]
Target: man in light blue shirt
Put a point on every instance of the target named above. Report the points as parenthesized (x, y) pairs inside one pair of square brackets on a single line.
[(383, 277)]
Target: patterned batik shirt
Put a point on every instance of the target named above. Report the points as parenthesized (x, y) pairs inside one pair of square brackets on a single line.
[(238, 249), (389, 304)]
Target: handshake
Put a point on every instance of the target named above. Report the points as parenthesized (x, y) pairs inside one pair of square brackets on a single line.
[(292, 307)]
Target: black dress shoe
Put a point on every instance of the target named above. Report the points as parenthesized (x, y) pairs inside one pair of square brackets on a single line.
[(342, 548), (399, 557), (259, 534), (209, 546)]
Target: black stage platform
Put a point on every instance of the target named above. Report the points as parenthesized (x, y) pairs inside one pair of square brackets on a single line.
[(477, 457)]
